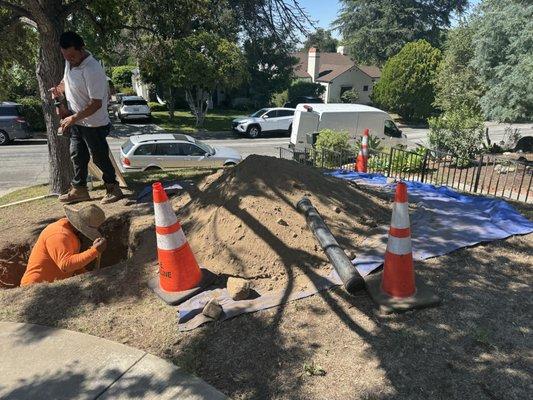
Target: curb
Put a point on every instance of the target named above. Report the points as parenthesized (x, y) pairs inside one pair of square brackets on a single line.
[(28, 200)]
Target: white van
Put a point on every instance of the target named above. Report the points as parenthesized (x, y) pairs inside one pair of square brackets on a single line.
[(351, 118)]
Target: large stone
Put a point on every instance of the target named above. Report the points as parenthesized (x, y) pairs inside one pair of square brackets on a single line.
[(238, 288), (212, 309)]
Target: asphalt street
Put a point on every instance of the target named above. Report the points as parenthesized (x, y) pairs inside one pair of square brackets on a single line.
[(25, 163)]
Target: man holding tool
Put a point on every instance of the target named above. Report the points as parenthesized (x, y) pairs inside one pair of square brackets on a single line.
[(56, 255), (85, 118)]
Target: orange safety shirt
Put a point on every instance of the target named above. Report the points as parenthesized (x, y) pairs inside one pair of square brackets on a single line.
[(56, 255)]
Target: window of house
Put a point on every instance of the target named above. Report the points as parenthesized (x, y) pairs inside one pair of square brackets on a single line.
[(365, 88)]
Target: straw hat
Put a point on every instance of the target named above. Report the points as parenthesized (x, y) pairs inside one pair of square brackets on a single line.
[(87, 219)]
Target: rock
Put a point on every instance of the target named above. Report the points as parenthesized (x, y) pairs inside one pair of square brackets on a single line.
[(390, 180), (336, 209), (282, 222), (212, 309), (238, 288)]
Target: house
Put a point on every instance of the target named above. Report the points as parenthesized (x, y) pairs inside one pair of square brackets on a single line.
[(337, 72)]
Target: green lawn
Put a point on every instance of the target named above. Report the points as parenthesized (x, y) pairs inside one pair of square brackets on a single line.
[(184, 121), (24, 194), (138, 180)]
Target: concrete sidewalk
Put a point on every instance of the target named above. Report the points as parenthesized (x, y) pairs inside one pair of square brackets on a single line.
[(39, 362)]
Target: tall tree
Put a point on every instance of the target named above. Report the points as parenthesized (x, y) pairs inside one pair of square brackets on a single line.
[(375, 30), (407, 82), (321, 39), (457, 84), (503, 57)]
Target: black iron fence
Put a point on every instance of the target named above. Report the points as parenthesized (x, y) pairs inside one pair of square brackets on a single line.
[(493, 175)]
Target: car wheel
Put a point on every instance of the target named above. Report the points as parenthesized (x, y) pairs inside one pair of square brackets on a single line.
[(4, 138), (153, 168), (525, 144), (122, 120), (229, 164), (253, 131), (289, 131)]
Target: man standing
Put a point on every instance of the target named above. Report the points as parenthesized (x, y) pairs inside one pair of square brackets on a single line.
[(85, 87), (56, 255)]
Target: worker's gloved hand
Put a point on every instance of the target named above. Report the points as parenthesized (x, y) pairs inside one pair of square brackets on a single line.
[(100, 245)]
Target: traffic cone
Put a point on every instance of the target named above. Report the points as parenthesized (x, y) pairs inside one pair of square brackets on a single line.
[(362, 157), (398, 271), (180, 276), (397, 289)]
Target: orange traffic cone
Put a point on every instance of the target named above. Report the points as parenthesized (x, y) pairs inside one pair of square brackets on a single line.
[(180, 276), (395, 289), (362, 157), (398, 271)]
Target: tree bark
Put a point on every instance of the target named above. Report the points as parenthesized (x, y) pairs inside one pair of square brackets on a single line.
[(49, 73)]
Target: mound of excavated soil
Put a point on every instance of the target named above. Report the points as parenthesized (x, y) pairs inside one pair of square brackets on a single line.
[(243, 222)]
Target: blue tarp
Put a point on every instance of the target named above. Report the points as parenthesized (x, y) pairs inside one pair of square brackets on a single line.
[(443, 221)]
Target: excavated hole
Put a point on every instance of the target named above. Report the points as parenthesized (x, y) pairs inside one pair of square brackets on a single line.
[(14, 257)]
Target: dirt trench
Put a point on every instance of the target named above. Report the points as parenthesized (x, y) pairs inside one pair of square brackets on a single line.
[(14, 257)]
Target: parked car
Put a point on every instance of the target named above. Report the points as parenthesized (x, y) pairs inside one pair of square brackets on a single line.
[(265, 120), (133, 107), (303, 99), (12, 123), (170, 151)]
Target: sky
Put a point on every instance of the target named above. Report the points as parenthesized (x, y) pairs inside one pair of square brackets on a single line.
[(325, 11)]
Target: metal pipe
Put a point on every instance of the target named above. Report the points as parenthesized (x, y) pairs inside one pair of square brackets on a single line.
[(349, 275)]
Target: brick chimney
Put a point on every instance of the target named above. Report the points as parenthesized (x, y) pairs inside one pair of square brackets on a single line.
[(313, 63)]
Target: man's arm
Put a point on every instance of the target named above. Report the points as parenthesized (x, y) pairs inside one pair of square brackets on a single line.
[(93, 106), (63, 250)]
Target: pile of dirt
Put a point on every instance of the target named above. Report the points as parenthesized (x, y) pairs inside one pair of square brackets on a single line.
[(243, 222)]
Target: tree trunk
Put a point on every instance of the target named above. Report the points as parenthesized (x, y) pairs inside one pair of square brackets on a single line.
[(171, 103), (49, 72)]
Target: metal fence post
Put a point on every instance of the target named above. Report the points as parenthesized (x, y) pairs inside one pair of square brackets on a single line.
[(323, 157), (390, 162), (424, 166), (478, 174)]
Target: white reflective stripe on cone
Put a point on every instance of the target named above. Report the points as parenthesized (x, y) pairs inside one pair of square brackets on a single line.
[(172, 241), (400, 216), (164, 214), (399, 246)]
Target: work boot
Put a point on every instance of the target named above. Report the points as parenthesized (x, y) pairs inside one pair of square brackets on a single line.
[(113, 193), (76, 194)]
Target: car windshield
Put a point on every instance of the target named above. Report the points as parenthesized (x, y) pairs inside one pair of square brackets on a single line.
[(259, 113), (205, 147), (134, 102)]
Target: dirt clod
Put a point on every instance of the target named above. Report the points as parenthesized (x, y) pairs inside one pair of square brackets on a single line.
[(212, 309), (238, 288)]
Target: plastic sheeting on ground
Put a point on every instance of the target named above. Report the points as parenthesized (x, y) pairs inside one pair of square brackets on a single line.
[(171, 187), (444, 221), (190, 312)]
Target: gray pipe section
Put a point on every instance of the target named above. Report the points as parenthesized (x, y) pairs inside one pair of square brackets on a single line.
[(349, 275)]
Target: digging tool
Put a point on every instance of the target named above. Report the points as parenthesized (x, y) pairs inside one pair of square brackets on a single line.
[(349, 275)]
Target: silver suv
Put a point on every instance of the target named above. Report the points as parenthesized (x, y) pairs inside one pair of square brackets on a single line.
[(12, 124), (169, 151), (133, 107), (269, 120)]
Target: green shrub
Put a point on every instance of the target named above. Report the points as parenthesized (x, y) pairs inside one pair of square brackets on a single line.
[(128, 91), (279, 99), (329, 145), (374, 143), (458, 131), (33, 113), (402, 161), (350, 96), (121, 75), (155, 106), (407, 82), (304, 88)]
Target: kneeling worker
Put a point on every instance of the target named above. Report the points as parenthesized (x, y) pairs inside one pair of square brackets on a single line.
[(56, 255)]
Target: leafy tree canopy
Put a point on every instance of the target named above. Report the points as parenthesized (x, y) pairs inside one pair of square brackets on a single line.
[(322, 40)]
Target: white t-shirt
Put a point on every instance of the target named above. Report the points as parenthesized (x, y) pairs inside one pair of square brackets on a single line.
[(85, 82)]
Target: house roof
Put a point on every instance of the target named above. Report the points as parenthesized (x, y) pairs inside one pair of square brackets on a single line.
[(331, 66)]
